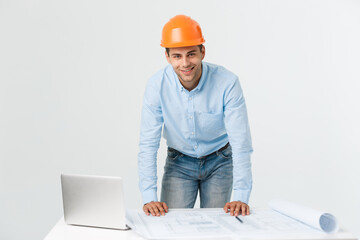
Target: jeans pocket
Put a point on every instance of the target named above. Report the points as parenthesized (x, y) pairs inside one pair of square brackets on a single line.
[(172, 154), (226, 153)]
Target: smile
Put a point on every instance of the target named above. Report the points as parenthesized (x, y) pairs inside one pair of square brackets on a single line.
[(187, 71)]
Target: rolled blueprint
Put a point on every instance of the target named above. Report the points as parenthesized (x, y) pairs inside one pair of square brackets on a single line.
[(320, 220)]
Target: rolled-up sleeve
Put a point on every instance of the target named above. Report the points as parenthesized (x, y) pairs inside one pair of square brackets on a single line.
[(238, 130), (150, 135)]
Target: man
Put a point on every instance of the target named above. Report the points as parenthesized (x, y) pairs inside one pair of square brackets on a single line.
[(201, 109)]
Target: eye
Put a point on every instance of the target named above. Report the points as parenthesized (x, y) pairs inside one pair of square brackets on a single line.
[(176, 56), (191, 54)]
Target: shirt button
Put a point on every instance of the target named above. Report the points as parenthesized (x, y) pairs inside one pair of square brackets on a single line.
[(195, 147), (190, 98), (192, 134), (190, 117)]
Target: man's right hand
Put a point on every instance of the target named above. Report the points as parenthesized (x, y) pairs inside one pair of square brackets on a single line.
[(155, 208)]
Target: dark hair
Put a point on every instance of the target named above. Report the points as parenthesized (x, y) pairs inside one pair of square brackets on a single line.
[(168, 49)]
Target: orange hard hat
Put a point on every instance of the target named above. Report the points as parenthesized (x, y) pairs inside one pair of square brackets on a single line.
[(181, 31)]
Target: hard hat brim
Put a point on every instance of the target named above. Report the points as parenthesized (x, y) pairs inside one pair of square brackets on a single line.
[(182, 44)]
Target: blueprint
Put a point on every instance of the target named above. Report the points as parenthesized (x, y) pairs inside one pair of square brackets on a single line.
[(215, 223), (180, 223), (320, 220)]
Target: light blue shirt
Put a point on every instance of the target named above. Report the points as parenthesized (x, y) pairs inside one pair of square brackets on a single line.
[(195, 123)]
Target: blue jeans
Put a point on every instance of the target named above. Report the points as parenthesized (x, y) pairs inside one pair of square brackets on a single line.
[(185, 176)]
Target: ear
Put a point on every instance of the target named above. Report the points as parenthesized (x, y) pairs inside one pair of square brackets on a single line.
[(167, 57), (202, 52)]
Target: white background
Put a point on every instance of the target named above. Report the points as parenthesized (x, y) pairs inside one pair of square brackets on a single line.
[(73, 72)]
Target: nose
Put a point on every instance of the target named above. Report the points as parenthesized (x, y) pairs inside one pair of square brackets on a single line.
[(185, 62)]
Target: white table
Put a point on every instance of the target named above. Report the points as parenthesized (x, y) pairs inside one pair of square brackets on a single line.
[(62, 231)]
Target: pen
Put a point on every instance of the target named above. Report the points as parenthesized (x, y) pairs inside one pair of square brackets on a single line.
[(239, 219)]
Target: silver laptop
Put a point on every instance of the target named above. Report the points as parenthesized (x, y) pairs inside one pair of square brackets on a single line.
[(95, 201)]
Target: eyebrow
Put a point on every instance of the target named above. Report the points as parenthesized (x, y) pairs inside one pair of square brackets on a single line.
[(174, 54)]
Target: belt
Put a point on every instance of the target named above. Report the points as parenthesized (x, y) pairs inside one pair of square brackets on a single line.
[(221, 149)]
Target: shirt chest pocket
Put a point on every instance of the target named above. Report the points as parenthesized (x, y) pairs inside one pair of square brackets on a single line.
[(210, 125)]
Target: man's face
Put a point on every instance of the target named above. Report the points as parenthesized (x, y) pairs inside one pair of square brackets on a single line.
[(186, 62)]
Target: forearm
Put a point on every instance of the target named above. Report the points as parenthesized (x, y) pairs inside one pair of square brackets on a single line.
[(147, 168), (242, 180)]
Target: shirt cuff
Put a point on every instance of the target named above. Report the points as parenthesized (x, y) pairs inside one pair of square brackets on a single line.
[(149, 196), (241, 195)]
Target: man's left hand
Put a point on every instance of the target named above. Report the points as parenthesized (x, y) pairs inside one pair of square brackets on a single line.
[(236, 208)]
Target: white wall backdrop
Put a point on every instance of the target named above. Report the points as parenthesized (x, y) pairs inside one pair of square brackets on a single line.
[(72, 75)]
